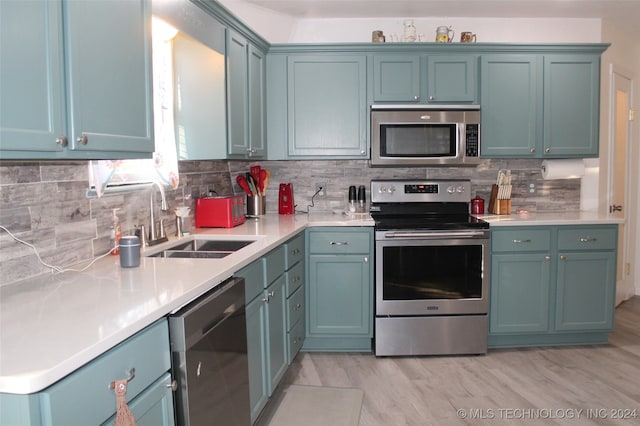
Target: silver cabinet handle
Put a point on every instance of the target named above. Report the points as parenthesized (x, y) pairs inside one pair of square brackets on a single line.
[(532, 150), (297, 307), (547, 258), (82, 139), (269, 296), (366, 259), (547, 150), (588, 239), (363, 152), (416, 97), (62, 141), (132, 375), (521, 241), (173, 385), (335, 243), (432, 98)]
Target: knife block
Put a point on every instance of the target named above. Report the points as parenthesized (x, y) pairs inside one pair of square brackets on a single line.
[(497, 206)]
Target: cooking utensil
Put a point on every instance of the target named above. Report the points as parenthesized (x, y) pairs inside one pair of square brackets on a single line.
[(255, 173), (267, 179), (263, 176), (242, 181)]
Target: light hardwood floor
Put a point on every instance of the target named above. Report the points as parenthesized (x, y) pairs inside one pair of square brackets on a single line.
[(553, 385)]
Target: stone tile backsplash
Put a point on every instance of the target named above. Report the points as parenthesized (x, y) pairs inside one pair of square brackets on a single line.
[(45, 203)]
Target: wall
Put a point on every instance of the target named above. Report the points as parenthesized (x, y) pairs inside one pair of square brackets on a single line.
[(45, 204)]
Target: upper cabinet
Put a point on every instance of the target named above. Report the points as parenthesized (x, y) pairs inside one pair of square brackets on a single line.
[(104, 110), (540, 105), (245, 98), (431, 78), (317, 105)]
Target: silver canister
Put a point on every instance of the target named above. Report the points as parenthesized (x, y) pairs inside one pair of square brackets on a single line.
[(129, 252)]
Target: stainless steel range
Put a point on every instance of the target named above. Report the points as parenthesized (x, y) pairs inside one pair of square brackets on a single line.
[(432, 263)]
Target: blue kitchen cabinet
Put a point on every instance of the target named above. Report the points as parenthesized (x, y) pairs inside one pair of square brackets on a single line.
[(317, 106), (245, 98), (452, 78), (511, 105), (85, 398), (272, 292), (571, 105), (431, 78), (552, 285), (397, 78), (72, 87), (339, 289), (540, 105)]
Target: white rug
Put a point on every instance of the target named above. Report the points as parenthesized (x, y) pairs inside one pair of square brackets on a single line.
[(318, 406)]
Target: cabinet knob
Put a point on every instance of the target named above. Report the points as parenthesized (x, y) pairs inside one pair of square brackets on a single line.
[(82, 139), (173, 385), (563, 257), (363, 152), (366, 259), (533, 150), (432, 98), (547, 150), (547, 258), (417, 97), (62, 141)]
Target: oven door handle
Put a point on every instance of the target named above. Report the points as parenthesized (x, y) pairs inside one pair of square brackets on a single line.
[(436, 235)]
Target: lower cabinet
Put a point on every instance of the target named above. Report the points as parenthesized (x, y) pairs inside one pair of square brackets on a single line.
[(85, 398), (275, 306), (552, 285), (339, 289)]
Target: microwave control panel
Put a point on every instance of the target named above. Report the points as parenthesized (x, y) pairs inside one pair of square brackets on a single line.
[(472, 145)]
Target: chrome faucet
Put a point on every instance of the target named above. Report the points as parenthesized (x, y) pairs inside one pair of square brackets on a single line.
[(154, 238)]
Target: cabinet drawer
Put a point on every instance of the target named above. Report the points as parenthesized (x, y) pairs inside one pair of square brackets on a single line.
[(274, 266), (295, 308), (85, 398), (521, 240), (588, 238), (295, 278), (294, 251), (253, 275), (295, 341), (334, 242)]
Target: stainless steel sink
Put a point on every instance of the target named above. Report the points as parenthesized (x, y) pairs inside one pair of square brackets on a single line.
[(202, 249)]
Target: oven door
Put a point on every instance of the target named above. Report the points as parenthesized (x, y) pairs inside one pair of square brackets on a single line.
[(432, 273)]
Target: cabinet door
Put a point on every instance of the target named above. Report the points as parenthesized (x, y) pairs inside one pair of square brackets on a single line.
[(586, 291), (396, 78), (31, 77), (451, 78), (519, 293), (154, 406), (238, 93), (511, 105), (571, 105), (108, 51), (326, 106), (277, 326), (256, 91), (256, 351), (339, 301)]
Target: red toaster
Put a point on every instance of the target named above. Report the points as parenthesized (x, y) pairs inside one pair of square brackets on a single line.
[(220, 212)]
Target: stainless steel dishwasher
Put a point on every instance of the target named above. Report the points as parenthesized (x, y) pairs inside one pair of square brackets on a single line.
[(209, 358)]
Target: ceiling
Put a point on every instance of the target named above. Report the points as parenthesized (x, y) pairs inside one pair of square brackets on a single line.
[(616, 10)]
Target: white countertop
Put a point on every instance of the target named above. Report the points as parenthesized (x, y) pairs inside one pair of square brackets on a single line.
[(550, 218), (53, 324)]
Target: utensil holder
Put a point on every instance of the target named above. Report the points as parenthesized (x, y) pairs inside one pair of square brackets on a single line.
[(497, 205), (256, 205)]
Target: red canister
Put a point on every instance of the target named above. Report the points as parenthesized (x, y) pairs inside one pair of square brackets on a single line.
[(477, 205)]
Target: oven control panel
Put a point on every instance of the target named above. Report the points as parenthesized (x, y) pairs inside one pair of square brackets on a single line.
[(403, 191)]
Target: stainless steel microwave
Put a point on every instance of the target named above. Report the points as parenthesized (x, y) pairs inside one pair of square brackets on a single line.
[(425, 135)]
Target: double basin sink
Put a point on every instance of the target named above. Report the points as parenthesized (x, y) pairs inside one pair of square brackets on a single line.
[(202, 249)]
